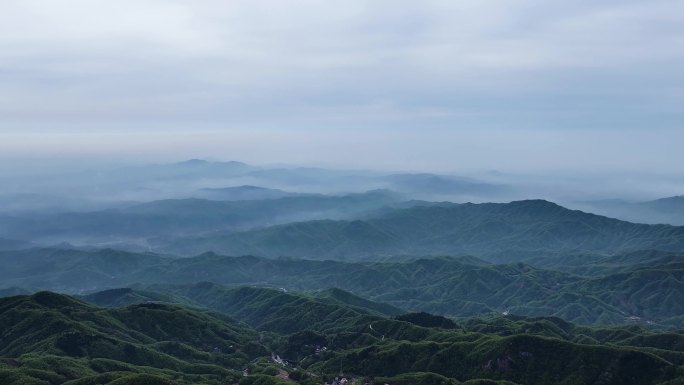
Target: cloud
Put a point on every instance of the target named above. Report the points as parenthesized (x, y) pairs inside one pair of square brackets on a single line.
[(307, 65)]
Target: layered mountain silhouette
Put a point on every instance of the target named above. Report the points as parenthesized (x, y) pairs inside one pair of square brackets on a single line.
[(501, 232), (624, 292)]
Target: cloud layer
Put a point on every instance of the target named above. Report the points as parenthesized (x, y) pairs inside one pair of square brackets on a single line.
[(306, 68)]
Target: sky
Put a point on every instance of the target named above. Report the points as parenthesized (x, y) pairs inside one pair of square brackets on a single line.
[(442, 85)]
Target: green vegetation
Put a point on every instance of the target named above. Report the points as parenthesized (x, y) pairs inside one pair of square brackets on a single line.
[(60, 339), (453, 287), (51, 339), (166, 218), (551, 296), (501, 232), (427, 320)]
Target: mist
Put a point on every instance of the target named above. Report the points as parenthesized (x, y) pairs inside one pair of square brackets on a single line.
[(108, 111), (546, 89), (310, 192), (555, 165)]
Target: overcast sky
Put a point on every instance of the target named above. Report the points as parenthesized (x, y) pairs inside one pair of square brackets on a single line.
[(512, 85)]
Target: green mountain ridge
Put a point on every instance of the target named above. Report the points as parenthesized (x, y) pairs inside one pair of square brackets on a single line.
[(497, 231), (418, 293), (668, 210), (172, 217), (455, 287), (57, 338), (244, 192), (54, 339)]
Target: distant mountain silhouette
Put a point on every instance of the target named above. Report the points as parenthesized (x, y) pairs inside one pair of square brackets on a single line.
[(502, 232)]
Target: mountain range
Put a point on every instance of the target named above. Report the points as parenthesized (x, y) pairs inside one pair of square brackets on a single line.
[(215, 273), (173, 217), (263, 336), (499, 232), (668, 210), (450, 286), (116, 187)]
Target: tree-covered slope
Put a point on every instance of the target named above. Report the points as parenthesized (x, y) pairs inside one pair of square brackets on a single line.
[(57, 338), (173, 217), (53, 339), (72, 270), (126, 296), (602, 264), (456, 287), (521, 359), (274, 310), (503, 232)]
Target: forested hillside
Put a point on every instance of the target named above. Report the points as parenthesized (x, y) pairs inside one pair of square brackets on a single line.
[(455, 287), (499, 232), (307, 339)]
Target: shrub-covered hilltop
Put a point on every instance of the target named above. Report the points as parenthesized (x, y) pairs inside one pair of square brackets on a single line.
[(211, 334)]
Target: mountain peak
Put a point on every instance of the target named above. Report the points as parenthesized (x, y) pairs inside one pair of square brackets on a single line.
[(192, 162), (542, 202), (54, 300), (672, 199), (202, 162), (536, 204)]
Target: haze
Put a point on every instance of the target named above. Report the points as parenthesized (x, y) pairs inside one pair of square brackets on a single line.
[(549, 88), (308, 192)]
